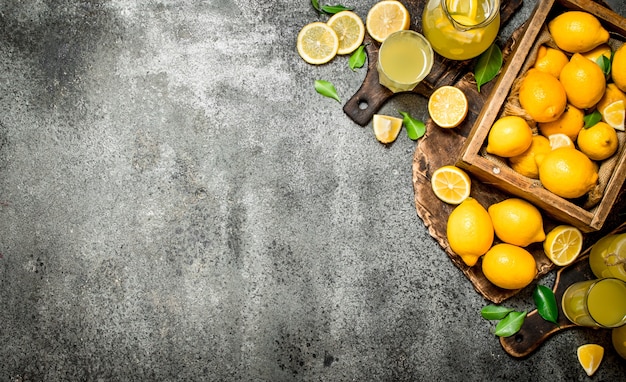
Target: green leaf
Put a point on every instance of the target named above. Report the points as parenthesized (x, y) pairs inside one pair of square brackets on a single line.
[(605, 64), (546, 303), (488, 65), (357, 59), (415, 128), (511, 324), (495, 312), (332, 9), (316, 5), (327, 89), (592, 119)]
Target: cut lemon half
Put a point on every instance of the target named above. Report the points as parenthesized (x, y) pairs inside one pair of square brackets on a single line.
[(350, 30), (386, 17), (451, 184), (447, 106), (559, 140), (590, 356), (615, 114), (563, 244), (317, 43), (386, 128)]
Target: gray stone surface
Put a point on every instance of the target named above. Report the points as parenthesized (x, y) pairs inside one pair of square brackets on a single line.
[(178, 204)]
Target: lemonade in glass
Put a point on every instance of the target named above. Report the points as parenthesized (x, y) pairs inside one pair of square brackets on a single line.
[(596, 303), (404, 59)]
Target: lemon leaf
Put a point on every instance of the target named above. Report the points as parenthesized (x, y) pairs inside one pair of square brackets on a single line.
[(488, 65), (327, 89), (495, 312), (316, 5), (592, 119), (415, 128), (357, 59), (605, 64), (510, 324), (332, 9), (546, 303)]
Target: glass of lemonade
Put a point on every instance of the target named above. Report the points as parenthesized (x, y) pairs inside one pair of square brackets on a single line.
[(404, 59), (461, 29), (596, 303)]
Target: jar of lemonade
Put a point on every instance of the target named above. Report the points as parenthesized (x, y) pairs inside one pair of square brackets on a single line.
[(461, 29), (608, 257)]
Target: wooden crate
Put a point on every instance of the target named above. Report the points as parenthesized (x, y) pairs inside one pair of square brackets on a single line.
[(498, 173)]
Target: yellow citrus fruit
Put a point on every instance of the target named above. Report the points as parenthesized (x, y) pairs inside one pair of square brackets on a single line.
[(550, 60), (618, 339), (567, 173), (526, 162), (590, 356), (542, 96), (350, 30), (317, 43), (563, 244), (618, 68), (583, 81), (577, 31), (569, 123), (509, 266), (597, 52), (386, 17), (386, 128), (611, 94), (598, 142), (615, 115), (517, 222), (451, 184), (559, 140), (447, 106), (509, 136), (469, 231)]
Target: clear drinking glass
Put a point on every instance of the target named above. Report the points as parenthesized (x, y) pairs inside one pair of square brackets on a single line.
[(597, 303), (404, 59)]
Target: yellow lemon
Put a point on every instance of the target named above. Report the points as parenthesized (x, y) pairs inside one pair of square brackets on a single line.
[(595, 53), (451, 184), (542, 96), (598, 142), (447, 106), (618, 68), (350, 30), (509, 136), (559, 140), (569, 123), (590, 356), (567, 173), (386, 128), (618, 339), (509, 266), (317, 43), (615, 115), (469, 231), (577, 31), (516, 221), (526, 162), (583, 81), (550, 60), (563, 244), (386, 17)]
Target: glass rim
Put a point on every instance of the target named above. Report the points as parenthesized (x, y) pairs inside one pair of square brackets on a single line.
[(596, 282), (464, 27)]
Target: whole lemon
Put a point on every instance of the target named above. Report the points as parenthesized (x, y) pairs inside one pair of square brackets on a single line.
[(550, 60), (509, 136), (618, 68), (509, 266), (598, 142), (526, 163), (542, 96), (583, 81), (517, 222), (569, 123), (470, 231), (567, 172), (577, 31)]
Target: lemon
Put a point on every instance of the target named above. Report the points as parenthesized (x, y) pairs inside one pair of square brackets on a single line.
[(447, 106), (611, 94), (469, 231), (386, 17), (569, 123), (577, 31), (517, 222), (595, 53), (560, 140), (542, 96), (598, 142), (509, 267), (317, 43), (526, 162), (583, 81), (590, 356), (618, 68), (618, 339), (550, 60), (567, 173), (451, 184), (563, 244), (350, 30), (386, 128), (509, 136), (615, 115)]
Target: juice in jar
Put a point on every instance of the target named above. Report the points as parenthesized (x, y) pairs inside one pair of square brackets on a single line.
[(461, 29), (596, 303), (608, 257), (404, 59)]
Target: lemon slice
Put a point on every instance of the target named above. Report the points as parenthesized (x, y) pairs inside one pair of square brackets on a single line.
[(386, 17), (350, 30), (559, 140), (386, 128), (590, 356), (451, 184), (615, 114), (317, 43), (563, 244), (447, 106)]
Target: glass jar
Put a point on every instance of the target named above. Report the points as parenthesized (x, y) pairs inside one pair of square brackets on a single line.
[(461, 29)]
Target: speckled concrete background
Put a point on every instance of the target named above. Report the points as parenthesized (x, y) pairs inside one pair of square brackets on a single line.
[(178, 204)]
